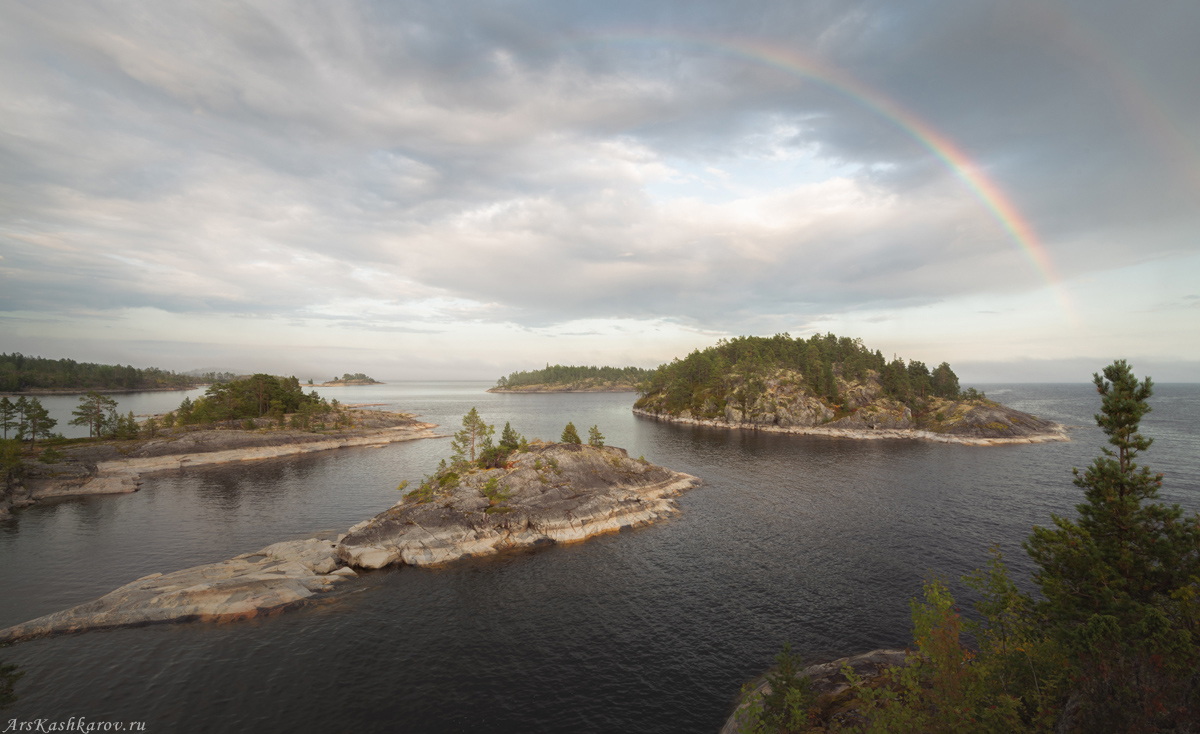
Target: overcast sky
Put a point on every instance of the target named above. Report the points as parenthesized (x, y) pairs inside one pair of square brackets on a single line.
[(426, 190)]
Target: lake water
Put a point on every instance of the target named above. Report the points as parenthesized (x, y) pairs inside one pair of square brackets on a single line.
[(814, 540)]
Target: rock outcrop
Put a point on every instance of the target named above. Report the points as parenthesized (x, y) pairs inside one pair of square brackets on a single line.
[(785, 404), (550, 493), (829, 684), (250, 585)]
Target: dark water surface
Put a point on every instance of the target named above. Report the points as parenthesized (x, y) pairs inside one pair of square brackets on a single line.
[(818, 541)]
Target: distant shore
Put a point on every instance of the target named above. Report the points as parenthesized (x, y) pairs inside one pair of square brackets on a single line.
[(104, 390), (344, 383), (564, 388)]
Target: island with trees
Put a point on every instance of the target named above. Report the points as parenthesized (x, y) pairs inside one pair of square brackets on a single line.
[(258, 417), (830, 385), (486, 497), (560, 378), (20, 373), (357, 378)]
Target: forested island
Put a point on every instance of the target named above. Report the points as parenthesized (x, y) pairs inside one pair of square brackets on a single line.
[(560, 378), (258, 417), (829, 385), (357, 378), (22, 373)]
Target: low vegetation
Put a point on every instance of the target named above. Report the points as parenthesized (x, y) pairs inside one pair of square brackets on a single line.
[(1111, 644), (473, 449)]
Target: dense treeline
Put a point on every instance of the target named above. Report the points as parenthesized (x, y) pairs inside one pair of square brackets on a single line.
[(19, 372), (736, 369), (571, 375), (253, 397)]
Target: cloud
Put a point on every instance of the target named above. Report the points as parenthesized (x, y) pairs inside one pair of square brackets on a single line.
[(406, 169)]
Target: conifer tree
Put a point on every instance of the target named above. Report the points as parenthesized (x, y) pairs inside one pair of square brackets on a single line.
[(38, 421), (20, 407), (94, 411), (595, 438), (1120, 582), (474, 438), (8, 415), (509, 439), (570, 435)]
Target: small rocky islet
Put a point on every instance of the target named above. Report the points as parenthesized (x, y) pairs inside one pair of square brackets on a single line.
[(546, 493)]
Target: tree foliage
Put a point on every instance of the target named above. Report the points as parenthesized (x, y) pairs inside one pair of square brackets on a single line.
[(1114, 645), (734, 371), (572, 375), (95, 411), (18, 372), (252, 397), (474, 438), (570, 435), (595, 437)]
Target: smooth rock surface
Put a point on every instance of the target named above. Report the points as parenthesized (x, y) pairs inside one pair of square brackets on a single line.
[(253, 584)]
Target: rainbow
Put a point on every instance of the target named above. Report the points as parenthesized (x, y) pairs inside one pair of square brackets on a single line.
[(993, 198)]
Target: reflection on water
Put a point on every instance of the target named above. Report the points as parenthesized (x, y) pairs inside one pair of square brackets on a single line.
[(814, 540)]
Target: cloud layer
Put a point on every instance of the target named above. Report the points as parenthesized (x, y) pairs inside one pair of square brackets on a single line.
[(414, 169)]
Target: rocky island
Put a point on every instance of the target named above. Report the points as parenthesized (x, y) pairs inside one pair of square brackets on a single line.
[(548, 493), (830, 386), (357, 378), (558, 379), (487, 499)]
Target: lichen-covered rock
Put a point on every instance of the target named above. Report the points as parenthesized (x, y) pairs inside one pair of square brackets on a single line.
[(551, 493)]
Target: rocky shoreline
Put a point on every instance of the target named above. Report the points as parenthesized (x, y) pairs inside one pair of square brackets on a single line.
[(268, 581), (104, 470), (550, 493), (1057, 432), (829, 684)]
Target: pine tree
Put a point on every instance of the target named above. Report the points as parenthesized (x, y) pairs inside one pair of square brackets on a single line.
[(8, 415), (93, 411), (595, 438), (474, 438), (570, 435), (1120, 583), (509, 439), (20, 407), (38, 421)]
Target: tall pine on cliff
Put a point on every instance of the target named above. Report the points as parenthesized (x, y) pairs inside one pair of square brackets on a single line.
[(1121, 583)]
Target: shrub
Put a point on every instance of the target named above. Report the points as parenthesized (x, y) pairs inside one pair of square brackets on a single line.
[(570, 435)]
